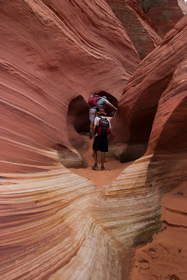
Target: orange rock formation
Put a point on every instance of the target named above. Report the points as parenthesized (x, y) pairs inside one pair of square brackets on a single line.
[(48, 57), (136, 24), (162, 14), (155, 100), (58, 225)]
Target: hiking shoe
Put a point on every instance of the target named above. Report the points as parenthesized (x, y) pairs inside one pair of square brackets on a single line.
[(95, 167)]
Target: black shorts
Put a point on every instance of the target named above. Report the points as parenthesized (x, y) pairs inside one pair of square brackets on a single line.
[(100, 143)]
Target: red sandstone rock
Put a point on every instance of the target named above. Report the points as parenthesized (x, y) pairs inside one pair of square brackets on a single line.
[(162, 14), (142, 94), (141, 33), (154, 107), (48, 57), (55, 224)]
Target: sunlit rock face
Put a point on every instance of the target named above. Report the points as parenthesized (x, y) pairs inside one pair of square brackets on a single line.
[(139, 30), (183, 6), (56, 225)]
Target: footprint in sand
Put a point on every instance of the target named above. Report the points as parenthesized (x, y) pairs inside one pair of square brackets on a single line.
[(144, 264)]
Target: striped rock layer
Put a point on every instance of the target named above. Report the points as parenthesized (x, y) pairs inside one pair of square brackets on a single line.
[(55, 224), (46, 61), (155, 101), (136, 24), (149, 84), (162, 14)]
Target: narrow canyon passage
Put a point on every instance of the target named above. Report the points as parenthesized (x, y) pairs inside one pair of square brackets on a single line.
[(78, 124), (59, 219), (99, 177)]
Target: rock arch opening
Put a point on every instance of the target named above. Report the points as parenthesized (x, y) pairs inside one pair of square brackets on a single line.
[(78, 115), (78, 121), (110, 98), (77, 125), (78, 133)]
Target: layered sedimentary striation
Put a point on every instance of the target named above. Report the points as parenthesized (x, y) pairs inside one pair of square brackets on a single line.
[(167, 171), (162, 14), (155, 102), (55, 224), (48, 57), (136, 24), (147, 18), (150, 82)]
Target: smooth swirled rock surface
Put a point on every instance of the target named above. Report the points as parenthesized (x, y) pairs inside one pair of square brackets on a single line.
[(54, 224), (48, 57), (162, 97)]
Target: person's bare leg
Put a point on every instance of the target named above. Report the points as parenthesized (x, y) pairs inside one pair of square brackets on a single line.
[(92, 118), (102, 160), (95, 166), (91, 129)]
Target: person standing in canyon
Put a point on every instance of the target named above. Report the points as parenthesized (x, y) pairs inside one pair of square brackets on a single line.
[(97, 101), (102, 128)]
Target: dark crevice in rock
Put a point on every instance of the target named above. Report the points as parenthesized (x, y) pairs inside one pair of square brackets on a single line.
[(78, 114), (142, 121), (175, 226)]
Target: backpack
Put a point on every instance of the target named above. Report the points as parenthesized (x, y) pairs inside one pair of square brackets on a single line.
[(103, 127), (92, 101)]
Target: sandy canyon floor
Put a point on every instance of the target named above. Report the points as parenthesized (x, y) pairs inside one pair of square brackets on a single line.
[(99, 177)]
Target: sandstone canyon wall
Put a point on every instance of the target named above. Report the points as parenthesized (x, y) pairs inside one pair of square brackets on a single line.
[(146, 20), (155, 102), (162, 14), (166, 256), (46, 61), (139, 102), (57, 225)]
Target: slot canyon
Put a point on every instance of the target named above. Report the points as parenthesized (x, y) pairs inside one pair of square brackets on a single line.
[(59, 219)]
